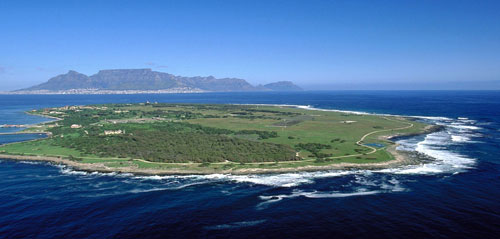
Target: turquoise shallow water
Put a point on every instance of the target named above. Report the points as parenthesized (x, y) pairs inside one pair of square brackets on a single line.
[(456, 195), (376, 145)]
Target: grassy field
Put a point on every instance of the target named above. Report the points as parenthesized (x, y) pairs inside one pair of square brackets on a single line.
[(202, 137)]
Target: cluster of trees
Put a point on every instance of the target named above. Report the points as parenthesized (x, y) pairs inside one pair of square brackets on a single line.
[(172, 146), (174, 142), (275, 112), (337, 140), (314, 148), (262, 134)]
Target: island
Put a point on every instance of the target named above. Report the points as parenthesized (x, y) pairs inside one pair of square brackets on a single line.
[(166, 138)]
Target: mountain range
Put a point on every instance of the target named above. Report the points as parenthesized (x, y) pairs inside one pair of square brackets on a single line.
[(149, 80)]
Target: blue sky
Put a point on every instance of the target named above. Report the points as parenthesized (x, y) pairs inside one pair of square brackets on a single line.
[(317, 44)]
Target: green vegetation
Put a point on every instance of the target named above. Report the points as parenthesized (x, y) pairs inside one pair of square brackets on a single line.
[(202, 137)]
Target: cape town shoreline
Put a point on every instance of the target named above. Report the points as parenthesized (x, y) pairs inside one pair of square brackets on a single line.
[(180, 90)]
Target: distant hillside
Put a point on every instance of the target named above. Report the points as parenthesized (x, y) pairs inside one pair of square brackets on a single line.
[(283, 86), (70, 80), (146, 79)]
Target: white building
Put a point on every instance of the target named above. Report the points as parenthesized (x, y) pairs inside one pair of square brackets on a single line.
[(113, 132)]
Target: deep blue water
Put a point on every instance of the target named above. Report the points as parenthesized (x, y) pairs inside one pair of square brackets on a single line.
[(455, 196)]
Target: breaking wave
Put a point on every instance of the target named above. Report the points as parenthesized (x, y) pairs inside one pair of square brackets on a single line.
[(234, 225), (286, 179), (439, 146), (31, 162), (269, 199), (364, 184), (436, 145)]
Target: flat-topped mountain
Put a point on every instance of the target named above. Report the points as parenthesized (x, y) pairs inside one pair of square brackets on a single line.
[(149, 80)]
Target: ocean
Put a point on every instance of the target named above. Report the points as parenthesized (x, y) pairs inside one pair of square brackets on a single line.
[(456, 195)]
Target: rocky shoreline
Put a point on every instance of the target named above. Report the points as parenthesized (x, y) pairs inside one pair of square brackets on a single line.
[(401, 158)]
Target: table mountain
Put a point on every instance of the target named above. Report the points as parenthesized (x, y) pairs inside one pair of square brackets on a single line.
[(146, 79)]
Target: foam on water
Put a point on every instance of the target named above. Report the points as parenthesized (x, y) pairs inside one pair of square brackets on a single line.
[(437, 146), (460, 139), (363, 184), (67, 170), (360, 192), (434, 118), (317, 194), (31, 162), (457, 131), (308, 107), (234, 225), (276, 180), (270, 199), (464, 127), (147, 190), (286, 179), (442, 155), (70, 171)]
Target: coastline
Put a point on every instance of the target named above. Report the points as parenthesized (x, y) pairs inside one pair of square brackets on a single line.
[(179, 90), (400, 158), (24, 131)]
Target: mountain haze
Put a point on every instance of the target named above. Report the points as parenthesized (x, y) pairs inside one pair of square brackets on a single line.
[(147, 79), (283, 86)]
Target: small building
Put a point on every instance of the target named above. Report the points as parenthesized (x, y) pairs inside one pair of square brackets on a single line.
[(75, 126), (113, 132)]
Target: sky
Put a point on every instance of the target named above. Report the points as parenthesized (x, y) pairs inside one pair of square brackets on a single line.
[(393, 45)]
